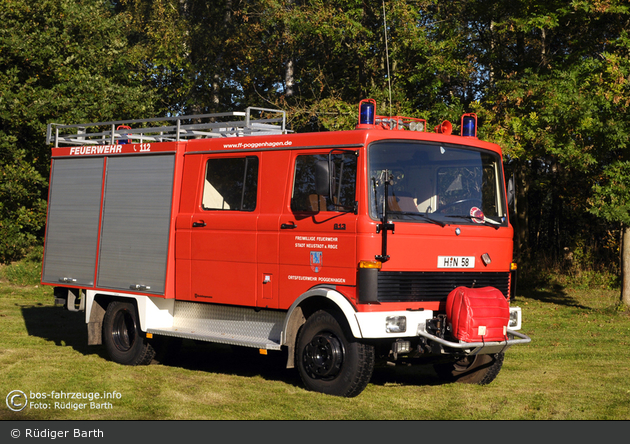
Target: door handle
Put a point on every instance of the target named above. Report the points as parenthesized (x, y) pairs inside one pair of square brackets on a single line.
[(199, 223), (288, 226)]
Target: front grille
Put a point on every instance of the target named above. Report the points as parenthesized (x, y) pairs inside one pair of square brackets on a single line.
[(406, 286)]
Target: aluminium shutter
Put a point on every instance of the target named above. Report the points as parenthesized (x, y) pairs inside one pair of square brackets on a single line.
[(136, 223), (72, 224)]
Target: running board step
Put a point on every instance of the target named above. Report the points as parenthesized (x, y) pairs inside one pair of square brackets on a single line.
[(226, 325)]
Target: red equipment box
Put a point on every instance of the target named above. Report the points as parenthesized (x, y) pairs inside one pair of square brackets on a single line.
[(478, 314)]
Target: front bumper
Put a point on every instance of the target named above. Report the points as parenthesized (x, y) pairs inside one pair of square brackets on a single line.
[(374, 325), (474, 348)]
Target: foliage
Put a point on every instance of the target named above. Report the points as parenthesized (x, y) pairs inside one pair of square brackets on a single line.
[(22, 208), (335, 51), (611, 198), (548, 79), (60, 61), (558, 105), (26, 271)]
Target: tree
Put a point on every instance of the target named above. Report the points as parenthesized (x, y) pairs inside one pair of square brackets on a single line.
[(315, 58), (561, 113), (547, 78), (60, 61), (611, 201), (611, 192)]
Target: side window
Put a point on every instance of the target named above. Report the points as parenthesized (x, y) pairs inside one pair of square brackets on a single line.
[(305, 197), (231, 184)]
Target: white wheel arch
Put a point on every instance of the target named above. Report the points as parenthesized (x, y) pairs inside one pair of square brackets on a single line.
[(295, 317)]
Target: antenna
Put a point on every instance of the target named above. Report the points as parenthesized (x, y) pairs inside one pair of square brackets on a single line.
[(389, 79)]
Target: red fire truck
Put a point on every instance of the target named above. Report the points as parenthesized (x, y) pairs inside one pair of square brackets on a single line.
[(387, 243)]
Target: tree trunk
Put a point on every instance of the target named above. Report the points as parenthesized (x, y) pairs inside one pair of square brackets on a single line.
[(216, 78), (521, 225), (288, 71), (288, 78), (625, 266)]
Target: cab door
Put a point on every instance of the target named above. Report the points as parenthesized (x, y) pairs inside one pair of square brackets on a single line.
[(223, 227), (318, 231)]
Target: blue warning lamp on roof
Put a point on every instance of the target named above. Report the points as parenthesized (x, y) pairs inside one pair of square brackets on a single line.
[(469, 125), (367, 113)]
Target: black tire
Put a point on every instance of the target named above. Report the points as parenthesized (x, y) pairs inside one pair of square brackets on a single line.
[(330, 360), (479, 369), (124, 341)]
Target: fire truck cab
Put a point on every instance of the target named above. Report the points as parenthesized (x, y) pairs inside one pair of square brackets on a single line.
[(344, 249)]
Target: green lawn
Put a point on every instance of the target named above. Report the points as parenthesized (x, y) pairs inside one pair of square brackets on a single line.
[(577, 367)]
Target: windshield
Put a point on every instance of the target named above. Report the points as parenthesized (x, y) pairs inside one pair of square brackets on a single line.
[(436, 183)]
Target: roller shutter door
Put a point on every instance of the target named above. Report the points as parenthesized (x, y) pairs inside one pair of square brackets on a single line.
[(73, 220), (136, 223)]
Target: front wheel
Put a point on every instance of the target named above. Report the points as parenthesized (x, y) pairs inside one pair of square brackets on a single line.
[(330, 360), (122, 336), (478, 369)]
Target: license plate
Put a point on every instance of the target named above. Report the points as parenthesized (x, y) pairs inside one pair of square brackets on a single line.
[(456, 262)]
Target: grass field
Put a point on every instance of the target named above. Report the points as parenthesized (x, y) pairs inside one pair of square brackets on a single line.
[(577, 367)]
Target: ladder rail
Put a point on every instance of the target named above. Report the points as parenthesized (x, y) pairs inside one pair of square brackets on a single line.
[(162, 129)]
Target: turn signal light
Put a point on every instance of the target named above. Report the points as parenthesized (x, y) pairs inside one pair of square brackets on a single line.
[(371, 264)]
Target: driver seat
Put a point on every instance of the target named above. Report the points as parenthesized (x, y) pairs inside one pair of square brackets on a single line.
[(403, 202)]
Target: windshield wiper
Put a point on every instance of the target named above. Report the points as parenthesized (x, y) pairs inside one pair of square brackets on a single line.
[(486, 221), (422, 215)]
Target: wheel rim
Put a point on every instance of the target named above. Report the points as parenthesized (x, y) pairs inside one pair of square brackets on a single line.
[(124, 331), (323, 356)]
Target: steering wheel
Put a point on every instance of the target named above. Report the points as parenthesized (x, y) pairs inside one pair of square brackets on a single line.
[(477, 203)]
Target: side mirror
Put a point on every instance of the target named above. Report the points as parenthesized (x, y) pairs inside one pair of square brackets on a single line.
[(511, 192), (322, 178)]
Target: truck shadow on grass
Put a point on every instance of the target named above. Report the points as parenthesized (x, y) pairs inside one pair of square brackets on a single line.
[(554, 294), (63, 327), (68, 329), (231, 360), (248, 362)]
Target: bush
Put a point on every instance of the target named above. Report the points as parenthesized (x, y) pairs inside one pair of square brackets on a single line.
[(541, 273), (25, 272)]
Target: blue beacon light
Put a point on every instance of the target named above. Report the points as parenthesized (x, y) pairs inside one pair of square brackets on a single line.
[(366, 112), (469, 125)]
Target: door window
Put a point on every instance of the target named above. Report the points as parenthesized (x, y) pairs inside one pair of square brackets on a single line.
[(344, 172), (231, 184)]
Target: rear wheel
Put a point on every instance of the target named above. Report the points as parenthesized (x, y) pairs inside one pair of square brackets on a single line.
[(478, 369), (124, 341), (330, 360)]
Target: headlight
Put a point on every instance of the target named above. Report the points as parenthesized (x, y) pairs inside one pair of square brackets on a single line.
[(396, 324), (515, 318)]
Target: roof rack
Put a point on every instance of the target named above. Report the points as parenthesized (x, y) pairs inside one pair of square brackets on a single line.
[(252, 121)]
